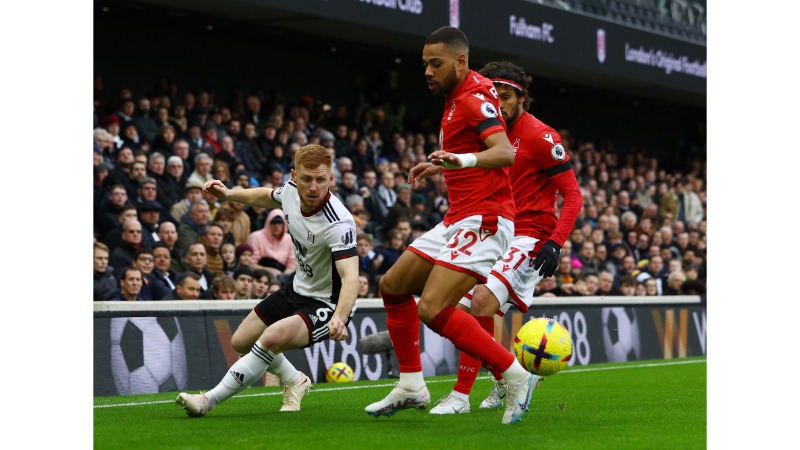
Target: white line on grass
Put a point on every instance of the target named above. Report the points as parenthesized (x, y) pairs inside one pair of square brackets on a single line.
[(428, 381)]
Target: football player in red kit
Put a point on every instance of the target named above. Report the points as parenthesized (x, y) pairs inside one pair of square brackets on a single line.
[(541, 169), (449, 260)]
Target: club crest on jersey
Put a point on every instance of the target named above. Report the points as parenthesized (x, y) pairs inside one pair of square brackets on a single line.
[(310, 237), (516, 146), (452, 111), (558, 152), (488, 110)]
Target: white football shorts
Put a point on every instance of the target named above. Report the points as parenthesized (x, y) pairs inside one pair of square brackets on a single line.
[(513, 278), (471, 245)]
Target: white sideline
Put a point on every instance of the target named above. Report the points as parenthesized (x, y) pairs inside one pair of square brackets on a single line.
[(376, 303), (429, 381)]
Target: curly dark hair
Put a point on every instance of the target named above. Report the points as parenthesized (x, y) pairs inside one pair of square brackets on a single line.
[(511, 72)]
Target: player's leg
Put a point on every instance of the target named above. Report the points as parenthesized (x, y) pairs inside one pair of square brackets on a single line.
[(252, 328), (482, 304), (397, 287)]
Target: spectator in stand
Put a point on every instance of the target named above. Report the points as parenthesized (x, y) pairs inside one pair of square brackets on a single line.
[(347, 186), (193, 224), (104, 281), (244, 256), (366, 255), (690, 207), (365, 288), (605, 285), (563, 272), (272, 246), (586, 257), (165, 139), (627, 286), (224, 288), (143, 260), (386, 194), (404, 227), (145, 123), (168, 190), (168, 234), (163, 276), (261, 279), (187, 287), (212, 241), (249, 145), (241, 221), (202, 169), (652, 287), (228, 253), (122, 256), (118, 198), (177, 174), (195, 262), (674, 282), (401, 207), (130, 285), (221, 172), (243, 277), (224, 217), (114, 238), (641, 290), (192, 192), (390, 252)]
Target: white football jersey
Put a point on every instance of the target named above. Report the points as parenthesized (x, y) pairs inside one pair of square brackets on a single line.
[(326, 234)]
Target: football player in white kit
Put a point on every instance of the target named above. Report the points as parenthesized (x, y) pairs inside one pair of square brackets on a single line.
[(315, 306)]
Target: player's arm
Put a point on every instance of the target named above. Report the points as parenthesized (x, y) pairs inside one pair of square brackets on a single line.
[(259, 197), (568, 187), (348, 272), (499, 153)]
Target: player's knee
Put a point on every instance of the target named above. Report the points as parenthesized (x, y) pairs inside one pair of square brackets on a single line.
[(273, 340), (240, 346), (387, 284), (426, 312), (483, 308)]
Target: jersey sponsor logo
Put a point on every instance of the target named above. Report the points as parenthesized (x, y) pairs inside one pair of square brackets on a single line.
[(349, 237), (549, 138), (480, 96), (452, 111), (299, 247), (310, 237), (488, 110), (558, 152)]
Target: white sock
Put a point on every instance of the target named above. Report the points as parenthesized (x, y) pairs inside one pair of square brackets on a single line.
[(241, 375), (460, 395), (283, 369), (411, 381), (515, 373)]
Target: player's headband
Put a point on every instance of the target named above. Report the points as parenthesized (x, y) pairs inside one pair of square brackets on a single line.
[(510, 83)]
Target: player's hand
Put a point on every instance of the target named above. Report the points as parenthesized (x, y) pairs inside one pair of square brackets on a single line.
[(422, 170), (547, 260), (217, 189), (338, 330), (439, 157)]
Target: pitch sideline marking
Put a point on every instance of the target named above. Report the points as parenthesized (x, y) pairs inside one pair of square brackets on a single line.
[(430, 381)]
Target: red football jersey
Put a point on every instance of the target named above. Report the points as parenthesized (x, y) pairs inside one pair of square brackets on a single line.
[(541, 167), (471, 114)]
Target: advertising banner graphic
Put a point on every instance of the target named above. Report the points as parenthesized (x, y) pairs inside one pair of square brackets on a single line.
[(190, 350)]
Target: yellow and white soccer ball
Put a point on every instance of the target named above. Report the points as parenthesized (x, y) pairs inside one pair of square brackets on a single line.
[(543, 346), (339, 373)]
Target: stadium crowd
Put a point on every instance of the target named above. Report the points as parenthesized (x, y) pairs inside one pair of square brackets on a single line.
[(642, 229)]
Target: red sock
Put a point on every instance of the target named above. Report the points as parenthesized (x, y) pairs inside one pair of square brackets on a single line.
[(402, 320), (467, 365), (466, 333)]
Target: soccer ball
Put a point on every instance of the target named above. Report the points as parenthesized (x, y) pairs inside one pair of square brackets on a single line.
[(543, 346), (339, 373), (148, 355)]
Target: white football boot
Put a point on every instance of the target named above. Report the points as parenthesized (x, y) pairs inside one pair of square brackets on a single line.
[(519, 398), (196, 405), (495, 398), (294, 393), (450, 404), (400, 399)]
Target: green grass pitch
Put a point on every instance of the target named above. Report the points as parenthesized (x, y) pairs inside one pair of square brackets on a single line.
[(637, 405)]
